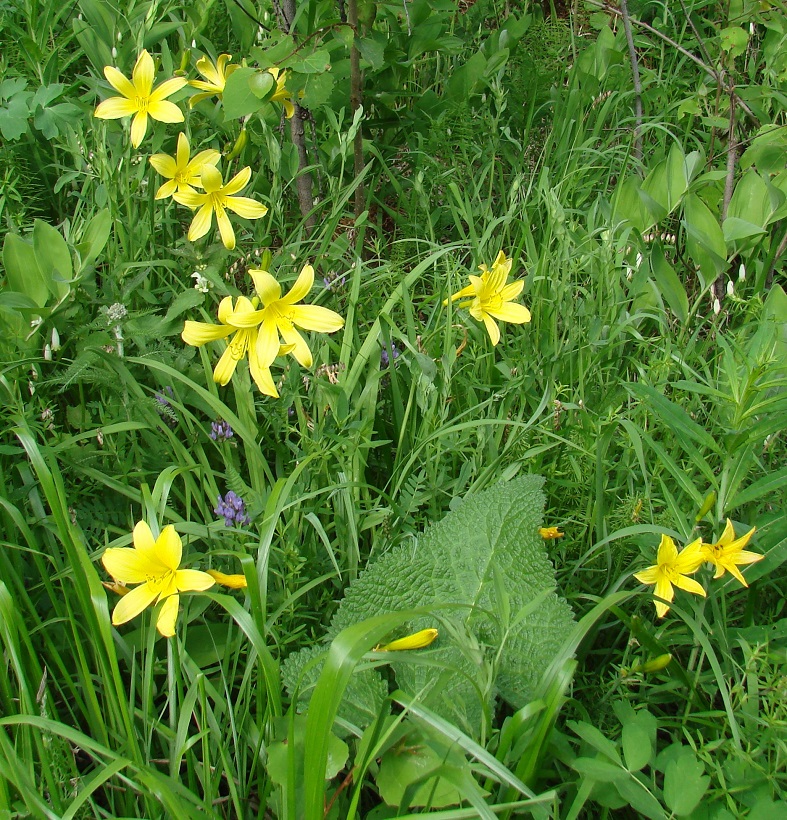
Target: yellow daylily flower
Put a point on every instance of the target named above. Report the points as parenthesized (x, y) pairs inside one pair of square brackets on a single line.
[(281, 95), (281, 315), (217, 198), (492, 297), (548, 533), (418, 640), (671, 568), (216, 76), (728, 552), (230, 581), (181, 171), (140, 99), (243, 320), (153, 564)]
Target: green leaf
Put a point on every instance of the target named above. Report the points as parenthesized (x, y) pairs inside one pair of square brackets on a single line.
[(262, 84), (315, 63), (597, 769), (13, 118), (638, 738), (736, 229), (372, 49), (22, 270), (704, 240), (238, 98), (750, 200), (671, 288), (629, 206), (54, 258), (94, 238), (684, 782), (597, 739), (414, 762), (317, 90), (640, 799)]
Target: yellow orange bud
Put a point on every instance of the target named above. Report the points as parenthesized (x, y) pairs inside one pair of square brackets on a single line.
[(418, 640), (231, 581), (549, 532)]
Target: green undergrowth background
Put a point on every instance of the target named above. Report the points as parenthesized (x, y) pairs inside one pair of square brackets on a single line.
[(647, 393)]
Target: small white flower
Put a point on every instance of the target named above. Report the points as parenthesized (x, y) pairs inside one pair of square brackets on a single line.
[(730, 288), (114, 53), (716, 306), (742, 273), (201, 283)]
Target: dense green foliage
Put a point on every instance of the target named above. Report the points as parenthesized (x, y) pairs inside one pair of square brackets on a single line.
[(629, 162)]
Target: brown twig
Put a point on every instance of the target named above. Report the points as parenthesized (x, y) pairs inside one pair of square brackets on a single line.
[(635, 76)]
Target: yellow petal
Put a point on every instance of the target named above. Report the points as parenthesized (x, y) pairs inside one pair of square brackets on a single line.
[(246, 207), (208, 70), (169, 548), (166, 89), (300, 349), (261, 375), (165, 111), (512, 290), (238, 182), (129, 606), (139, 125), (191, 199), (211, 179), (167, 189), (119, 82), (314, 317), (114, 108), (165, 164), (145, 545), (267, 346), (648, 576), (225, 366), (491, 328), (668, 552), (689, 584), (193, 580), (198, 333), (303, 284), (225, 228), (126, 565), (168, 615), (200, 225), (510, 312), (268, 289), (143, 74)]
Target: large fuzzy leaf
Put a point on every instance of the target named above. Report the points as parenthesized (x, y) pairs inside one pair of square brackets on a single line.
[(485, 569)]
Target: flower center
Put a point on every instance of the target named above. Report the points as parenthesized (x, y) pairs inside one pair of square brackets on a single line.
[(142, 104), (239, 344)]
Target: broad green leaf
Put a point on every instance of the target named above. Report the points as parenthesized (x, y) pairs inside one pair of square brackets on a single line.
[(750, 200), (315, 63), (704, 237), (415, 761), (238, 98), (372, 49), (22, 270), (629, 206), (54, 258), (640, 799), (94, 238), (671, 288), (685, 783), (637, 739), (598, 769), (736, 229), (262, 84), (597, 739)]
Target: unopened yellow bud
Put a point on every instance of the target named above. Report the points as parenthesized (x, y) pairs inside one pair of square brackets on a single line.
[(231, 581), (549, 532), (655, 665), (116, 587), (418, 640), (240, 144), (710, 500)]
